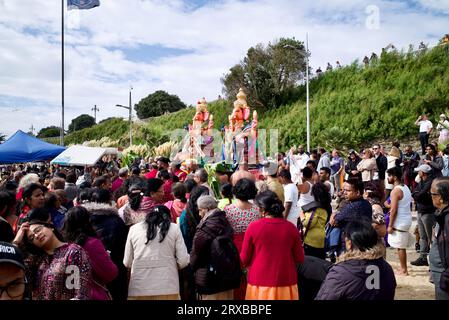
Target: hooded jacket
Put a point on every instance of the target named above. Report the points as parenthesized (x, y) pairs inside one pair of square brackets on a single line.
[(113, 233), (360, 276), (442, 218)]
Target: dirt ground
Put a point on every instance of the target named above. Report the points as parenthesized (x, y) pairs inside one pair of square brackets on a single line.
[(415, 286)]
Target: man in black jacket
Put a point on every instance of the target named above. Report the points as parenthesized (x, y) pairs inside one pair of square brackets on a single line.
[(426, 210), (439, 260), (382, 165)]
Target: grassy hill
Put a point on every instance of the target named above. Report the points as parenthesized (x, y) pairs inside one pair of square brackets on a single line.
[(349, 106)]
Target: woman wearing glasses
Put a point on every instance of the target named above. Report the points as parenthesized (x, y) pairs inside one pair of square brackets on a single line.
[(13, 283), (55, 270)]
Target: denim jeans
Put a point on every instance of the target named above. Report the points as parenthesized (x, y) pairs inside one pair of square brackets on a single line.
[(425, 225), (335, 180), (436, 267)]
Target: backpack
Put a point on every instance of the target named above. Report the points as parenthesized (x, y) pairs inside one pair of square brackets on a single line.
[(223, 270)]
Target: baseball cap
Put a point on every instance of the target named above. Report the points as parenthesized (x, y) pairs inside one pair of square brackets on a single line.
[(424, 168), (11, 254)]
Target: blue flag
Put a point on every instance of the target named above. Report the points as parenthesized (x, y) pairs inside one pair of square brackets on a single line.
[(82, 4)]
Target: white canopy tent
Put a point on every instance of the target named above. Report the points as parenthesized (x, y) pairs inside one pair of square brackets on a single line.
[(82, 156)]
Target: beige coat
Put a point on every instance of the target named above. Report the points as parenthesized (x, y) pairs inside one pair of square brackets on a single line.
[(154, 266), (367, 167)]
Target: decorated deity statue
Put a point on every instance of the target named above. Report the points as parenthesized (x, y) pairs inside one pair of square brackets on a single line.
[(201, 114), (240, 113)]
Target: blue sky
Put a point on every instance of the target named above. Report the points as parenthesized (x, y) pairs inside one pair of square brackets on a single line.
[(183, 47)]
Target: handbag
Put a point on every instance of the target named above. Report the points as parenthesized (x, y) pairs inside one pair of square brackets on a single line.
[(308, 226)]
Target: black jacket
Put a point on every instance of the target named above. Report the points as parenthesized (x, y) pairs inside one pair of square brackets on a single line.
[(422, 196), (347, 280), (200, 256), (442, 218), (113, 234), (352, 166), (382, 165), (437, 164)]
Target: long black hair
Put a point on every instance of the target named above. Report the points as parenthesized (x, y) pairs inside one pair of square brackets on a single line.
[(135, 195), (158, 217), (77, 226), (28, 192), (270, 202), (192, 212), (321, 194)]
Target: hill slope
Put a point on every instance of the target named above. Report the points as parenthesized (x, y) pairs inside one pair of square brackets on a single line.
[(349, 106)]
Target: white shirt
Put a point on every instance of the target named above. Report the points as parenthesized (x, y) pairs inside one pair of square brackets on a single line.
[(403, 219), (331, 188), (306, 198), (424, 126), (291, 195), (297, 163)]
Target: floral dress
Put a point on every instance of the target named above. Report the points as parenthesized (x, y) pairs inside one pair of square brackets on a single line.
[(65, 275), (239, 220)]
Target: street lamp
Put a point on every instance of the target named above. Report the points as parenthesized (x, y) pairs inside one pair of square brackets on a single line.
[(307, 86), (130, 116)]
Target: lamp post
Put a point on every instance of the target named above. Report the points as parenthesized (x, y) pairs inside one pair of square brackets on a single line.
[(130, 116), (307, 86), (95, 110)]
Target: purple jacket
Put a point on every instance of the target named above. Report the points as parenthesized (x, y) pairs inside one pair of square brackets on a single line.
[(103, 269), (354, 277)]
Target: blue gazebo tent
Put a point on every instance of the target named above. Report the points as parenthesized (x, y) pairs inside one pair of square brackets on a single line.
[(21, 148)]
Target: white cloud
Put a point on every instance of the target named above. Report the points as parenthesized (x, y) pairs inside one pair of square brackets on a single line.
[(216, 36), (441, 6)]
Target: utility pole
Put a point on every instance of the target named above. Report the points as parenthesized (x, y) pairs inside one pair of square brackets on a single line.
[(307, 89), (62, 74), (95, 110), (130, 116), (32, 129)]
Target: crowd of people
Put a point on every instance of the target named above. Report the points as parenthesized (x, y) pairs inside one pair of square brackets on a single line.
[(309, 226)]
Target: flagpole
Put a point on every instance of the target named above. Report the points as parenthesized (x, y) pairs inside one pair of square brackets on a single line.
[(62, 72)]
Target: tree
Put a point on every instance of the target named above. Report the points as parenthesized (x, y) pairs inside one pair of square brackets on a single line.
[(108, 119), (49, 132), (267, 72), (81, 122), (2, 138), (157, 104)]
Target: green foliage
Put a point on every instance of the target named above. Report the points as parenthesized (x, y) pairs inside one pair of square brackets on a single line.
[(47, 132), (382, 100), (107, 119), (267, 72), (81, 122), (157, 104), (115, 129), (349, 106)]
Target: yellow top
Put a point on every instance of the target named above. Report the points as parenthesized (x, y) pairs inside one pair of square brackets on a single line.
[(316, 234)]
